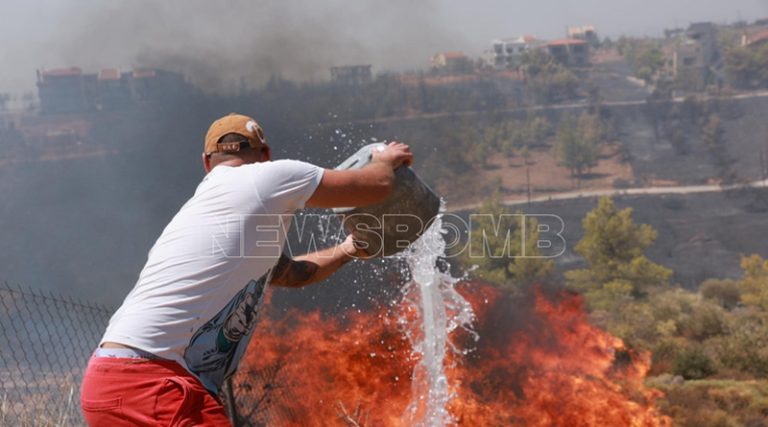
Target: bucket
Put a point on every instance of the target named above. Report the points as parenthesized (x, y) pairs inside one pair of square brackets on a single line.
[(392, 225)]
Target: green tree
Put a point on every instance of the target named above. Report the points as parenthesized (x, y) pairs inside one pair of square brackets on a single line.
[(754, 285), (479, 153), (577, 147), (504, 247), (644, 56), (613, 294), (567, 149), (537, 129), (591, 130), (528, 268), (548, 80), (747, 67), (613, 247), (713, 136)]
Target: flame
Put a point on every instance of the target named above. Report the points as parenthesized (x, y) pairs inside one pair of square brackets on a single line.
[(548, 366), (538, 362)]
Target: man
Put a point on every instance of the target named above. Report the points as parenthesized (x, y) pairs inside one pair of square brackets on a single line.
[(183, 328)]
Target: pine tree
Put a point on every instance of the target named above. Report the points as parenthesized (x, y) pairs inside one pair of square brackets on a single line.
[(496, 248), (577, 146), (567, 150), (613, 247)]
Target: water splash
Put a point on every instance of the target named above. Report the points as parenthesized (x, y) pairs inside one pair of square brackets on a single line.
[(433, 309)]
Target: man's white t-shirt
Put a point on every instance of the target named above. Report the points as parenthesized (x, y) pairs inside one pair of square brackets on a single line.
[(197, 297)]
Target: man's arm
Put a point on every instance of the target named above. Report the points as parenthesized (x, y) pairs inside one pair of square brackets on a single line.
[(314, 267), (361, 187)]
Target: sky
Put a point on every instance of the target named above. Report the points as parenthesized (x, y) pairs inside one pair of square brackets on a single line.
[(216, 43)]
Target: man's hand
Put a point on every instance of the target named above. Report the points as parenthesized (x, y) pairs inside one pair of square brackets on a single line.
[(395, 155), (352, 247), (365, 186)]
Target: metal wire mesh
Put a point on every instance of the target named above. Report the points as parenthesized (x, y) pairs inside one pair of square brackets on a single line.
[(45, 343), (254, 394), (47, 340)]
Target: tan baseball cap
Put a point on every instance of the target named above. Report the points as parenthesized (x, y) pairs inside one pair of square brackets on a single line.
[(233, 123)]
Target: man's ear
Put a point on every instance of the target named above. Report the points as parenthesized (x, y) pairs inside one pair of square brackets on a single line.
[(266, 154), (206, 163)]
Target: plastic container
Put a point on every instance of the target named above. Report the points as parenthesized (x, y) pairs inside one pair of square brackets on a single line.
[(392, 225)]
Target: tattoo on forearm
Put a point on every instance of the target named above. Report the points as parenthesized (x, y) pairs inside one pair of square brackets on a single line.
[(294, 273)]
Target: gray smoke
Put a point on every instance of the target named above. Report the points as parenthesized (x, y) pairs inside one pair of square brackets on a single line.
[(218, 44)]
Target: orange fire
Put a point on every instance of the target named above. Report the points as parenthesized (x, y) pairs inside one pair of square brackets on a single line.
[(538, 362)]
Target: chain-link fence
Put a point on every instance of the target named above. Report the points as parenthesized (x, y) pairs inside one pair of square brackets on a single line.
[(45, 343), (254, 393)]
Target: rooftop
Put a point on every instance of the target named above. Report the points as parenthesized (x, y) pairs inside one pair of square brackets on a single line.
[(566, 42), (63, 72), (144, 74), (453, 55), (757, 37), (109, 74), (581, 30), (519, 39)]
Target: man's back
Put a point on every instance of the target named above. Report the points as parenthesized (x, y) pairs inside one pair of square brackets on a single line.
[(210, 264)]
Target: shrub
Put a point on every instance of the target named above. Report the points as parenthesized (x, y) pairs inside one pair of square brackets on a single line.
[(705, 321), (745, 347), (693, 364), (724, 293), (663, 356)]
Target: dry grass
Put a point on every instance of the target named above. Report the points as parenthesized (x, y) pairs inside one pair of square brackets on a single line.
[(41, 409)]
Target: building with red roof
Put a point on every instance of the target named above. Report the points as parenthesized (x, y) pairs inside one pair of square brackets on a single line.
[(588, 33), (756, 38), (569, 52), (113, 89), (69, 90), (109, 74), (506, 53), (63, 90), (62, 72)]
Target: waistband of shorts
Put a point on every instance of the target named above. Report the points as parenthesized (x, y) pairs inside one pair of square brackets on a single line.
[(117, 365), (124, 353)]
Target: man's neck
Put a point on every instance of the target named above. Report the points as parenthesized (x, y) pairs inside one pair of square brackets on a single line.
[(231, 163)]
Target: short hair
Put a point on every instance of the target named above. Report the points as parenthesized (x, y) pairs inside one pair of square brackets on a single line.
[(233, 137)]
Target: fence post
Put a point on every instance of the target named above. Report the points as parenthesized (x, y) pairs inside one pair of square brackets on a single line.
[(229, 398)]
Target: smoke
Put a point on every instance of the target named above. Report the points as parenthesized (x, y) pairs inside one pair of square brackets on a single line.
[(219, 44)]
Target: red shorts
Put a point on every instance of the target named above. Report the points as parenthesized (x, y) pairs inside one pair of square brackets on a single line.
[(142, 392)]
